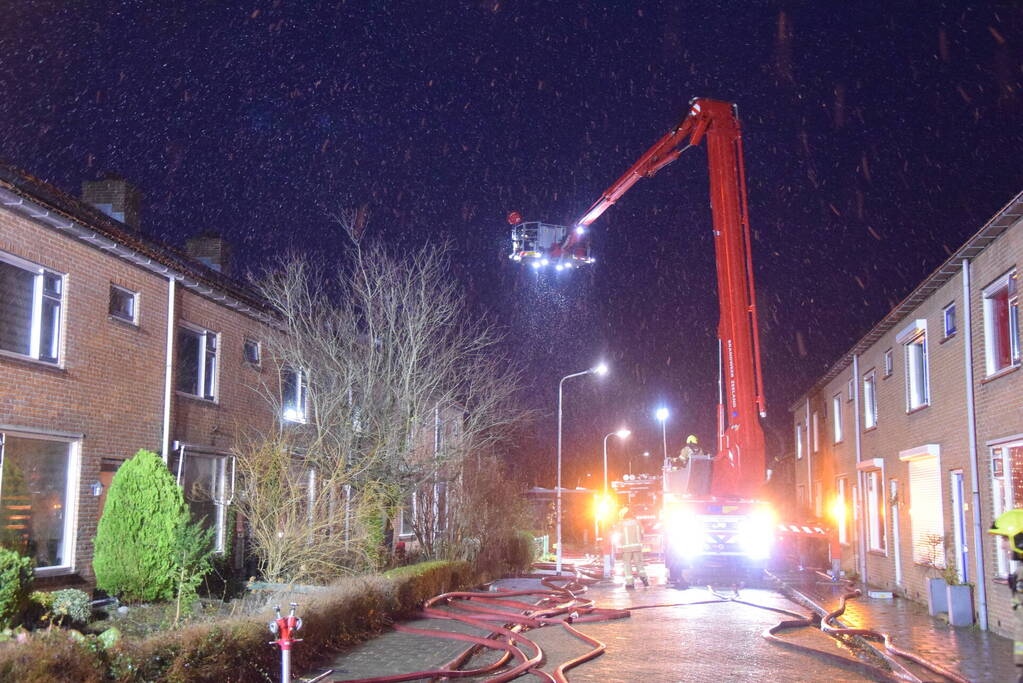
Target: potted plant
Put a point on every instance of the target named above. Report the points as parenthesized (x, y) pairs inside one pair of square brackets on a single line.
[(959, 596), (937, 586)]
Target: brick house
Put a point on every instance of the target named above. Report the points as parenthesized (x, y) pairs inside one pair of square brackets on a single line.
[(912, 442), (111, 342)]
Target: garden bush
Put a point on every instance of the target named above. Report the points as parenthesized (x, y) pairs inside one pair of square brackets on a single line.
[(237, 649), (139, 530), (16, 574), (70, 606)]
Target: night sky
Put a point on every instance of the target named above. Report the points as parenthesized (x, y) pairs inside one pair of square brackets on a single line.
[(876, 141)]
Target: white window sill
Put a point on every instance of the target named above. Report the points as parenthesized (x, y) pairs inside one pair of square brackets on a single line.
[(53, 365), (1000, 373), (54, 571), (194, 397)]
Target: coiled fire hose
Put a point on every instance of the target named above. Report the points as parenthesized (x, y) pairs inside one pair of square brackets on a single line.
[(506, 620)]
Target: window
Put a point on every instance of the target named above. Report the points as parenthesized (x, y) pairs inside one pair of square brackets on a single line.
[(836, 417), (124, 304), (869, 400), (294, 396), (949, 316), (38, 497), (408, 515), (30, 309), (799, 440), (816, 432), (252, 351), (917, 394), (875, 510), (841, 510), (197, 362), (1007, 492), (818, 499), (1001, 324), (889, 363), (801, 495), (925, 515), (850, 390)]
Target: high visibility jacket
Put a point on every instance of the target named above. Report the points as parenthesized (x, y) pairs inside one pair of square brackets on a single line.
[(632, 536)]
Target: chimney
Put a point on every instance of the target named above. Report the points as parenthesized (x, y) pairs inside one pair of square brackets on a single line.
[(211, 250), (115, 197)]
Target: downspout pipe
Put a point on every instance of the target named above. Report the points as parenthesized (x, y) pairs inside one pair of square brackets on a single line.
[(860, 532), (971, 431), (809, 455), (168, 388)]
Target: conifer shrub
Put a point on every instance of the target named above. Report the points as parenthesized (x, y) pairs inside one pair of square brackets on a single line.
[(15, 585), (137, 536)]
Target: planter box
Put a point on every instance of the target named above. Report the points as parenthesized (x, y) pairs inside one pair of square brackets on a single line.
[(937, 596), (960, 605)]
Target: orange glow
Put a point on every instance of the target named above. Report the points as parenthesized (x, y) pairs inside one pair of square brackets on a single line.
[(838, 512)]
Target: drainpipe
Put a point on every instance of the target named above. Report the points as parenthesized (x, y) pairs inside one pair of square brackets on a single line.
[(809, 454), (971, 430), (168, 389), (860, 534)]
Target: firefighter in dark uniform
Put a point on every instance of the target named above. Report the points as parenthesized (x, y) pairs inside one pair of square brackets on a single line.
[(684, 457), (1010, 525), (632, 548)]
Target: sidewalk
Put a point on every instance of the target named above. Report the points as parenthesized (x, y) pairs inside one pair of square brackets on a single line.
[(977, 655)]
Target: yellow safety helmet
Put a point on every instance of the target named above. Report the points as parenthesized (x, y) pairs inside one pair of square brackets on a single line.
[(692, 439), (1010, 525)]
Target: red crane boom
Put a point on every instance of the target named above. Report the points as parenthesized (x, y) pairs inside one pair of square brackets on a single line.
[(740, 462)]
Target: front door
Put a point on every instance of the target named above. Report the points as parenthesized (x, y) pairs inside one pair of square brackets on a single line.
[(896, 505), (959, 526)]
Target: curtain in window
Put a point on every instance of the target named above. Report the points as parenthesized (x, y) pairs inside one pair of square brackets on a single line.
[(17, 291)]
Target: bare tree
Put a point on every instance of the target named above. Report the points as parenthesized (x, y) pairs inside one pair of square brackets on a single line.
[(374, 357)]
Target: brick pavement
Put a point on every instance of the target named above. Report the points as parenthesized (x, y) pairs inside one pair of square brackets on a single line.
[(977, 655)]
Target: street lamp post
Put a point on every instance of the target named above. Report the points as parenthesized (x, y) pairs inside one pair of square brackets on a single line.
[(662, 416), (600, 369), (621, 434)]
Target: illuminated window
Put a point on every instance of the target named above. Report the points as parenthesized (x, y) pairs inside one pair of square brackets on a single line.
[(1001, 324), (842, 510), (38, 498), (294, 395), (816, 432), (799, 440), (917, 390), (836, 417), (1006, 492), (869, 400), (925, 513), (889, 363)]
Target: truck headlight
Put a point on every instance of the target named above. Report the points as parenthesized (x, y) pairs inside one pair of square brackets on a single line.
[(756, 534), (685, 533)]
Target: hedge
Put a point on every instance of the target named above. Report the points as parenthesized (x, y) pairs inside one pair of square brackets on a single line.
[(236, 649)]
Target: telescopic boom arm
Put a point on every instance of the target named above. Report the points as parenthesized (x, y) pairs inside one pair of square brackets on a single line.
[(740, 465)]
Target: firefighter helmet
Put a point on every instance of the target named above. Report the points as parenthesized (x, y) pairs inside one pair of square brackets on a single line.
[(692, 439), (1010, 525)]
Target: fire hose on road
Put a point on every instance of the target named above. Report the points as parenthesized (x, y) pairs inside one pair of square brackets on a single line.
[(506, 621)]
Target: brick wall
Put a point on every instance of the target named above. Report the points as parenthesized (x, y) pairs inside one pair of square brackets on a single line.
[(943, 423)]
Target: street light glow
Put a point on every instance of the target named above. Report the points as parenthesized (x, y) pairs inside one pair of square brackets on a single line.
[(600, 369), (623, 433), (662, 414)]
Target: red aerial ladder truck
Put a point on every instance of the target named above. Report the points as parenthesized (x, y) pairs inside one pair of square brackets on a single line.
[(717, 519)]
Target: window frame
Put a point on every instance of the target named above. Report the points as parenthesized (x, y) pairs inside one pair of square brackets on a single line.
[(39, 296), (837, 427), (301, 413), (258, 362), (842, 502), (889, 362), (799, 440), (1002, 496), (876, 510), (133, 296), (72, 494), (850, 390), (1008, 282), (815, 440), (918, 388), (949, 330), (870, 416), (201, 381)]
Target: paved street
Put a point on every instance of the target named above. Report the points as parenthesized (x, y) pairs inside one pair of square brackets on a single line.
[(689, 643)]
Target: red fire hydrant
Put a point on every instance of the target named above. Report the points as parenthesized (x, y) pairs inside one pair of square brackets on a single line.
[(283, 628)]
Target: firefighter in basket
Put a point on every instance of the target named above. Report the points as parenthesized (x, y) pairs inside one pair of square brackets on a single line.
[(1010, 525), (685, 456), (631, 534)]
